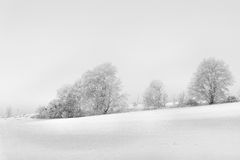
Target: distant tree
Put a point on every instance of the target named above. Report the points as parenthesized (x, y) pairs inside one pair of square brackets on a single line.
[(136, 103), (191, 102), (155, 95), (182, 100), (232, 99), (42, 112), (211, 81), (8, 112), (102, 89), (55, 109), (238, 95), (77, 98), (66, 105), (97, 92), (67, 101)]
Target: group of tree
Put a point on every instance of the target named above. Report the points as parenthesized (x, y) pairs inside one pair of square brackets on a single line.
[(210, 85), (97, 92)]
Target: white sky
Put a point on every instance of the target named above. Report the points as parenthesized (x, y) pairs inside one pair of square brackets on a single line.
[(46, 44)]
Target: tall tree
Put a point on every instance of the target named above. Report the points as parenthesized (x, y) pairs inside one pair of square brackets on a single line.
[(211, 81)]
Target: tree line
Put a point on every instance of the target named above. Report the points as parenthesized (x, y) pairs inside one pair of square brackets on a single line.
[(98, 91)]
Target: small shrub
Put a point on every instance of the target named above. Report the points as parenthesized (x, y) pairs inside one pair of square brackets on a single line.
[(231, 99), (42, 113), (192, 102)]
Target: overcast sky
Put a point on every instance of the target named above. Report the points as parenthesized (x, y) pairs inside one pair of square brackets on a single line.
[(45, 44)]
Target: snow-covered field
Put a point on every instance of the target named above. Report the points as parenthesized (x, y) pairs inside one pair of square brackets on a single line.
[(2, 157), (207, 132)]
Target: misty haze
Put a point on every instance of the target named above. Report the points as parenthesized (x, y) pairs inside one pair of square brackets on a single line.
[(122, 80)]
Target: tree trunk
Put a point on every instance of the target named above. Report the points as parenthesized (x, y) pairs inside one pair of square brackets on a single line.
[(211, 100), (106, 110)]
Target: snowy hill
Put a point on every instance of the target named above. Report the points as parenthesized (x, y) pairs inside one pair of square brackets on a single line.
[(207, 132)]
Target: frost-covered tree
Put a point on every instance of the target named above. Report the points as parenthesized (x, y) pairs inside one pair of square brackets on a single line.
[(211, 81), (8, 112), (232, 99), (77, 98), (68, 102), (42, 112), (97, 92), (102, 89), (67, 99), (182, 100), (55, 109), (155, 96)]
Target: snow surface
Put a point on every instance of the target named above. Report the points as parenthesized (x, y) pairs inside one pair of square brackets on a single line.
[(2, 157), (206, 132)]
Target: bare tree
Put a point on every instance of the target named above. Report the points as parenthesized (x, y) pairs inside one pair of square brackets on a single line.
[(155, 95), (211, 81)]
